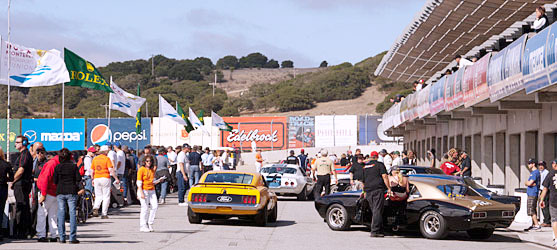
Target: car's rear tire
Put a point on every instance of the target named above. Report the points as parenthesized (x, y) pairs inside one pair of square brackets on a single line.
[(261, 217), (480, 233), (334, 188), (337, 218), (193, 217), (303, 195), (274, 214), (433, 225)]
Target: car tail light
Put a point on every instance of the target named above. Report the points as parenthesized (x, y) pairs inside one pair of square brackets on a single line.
[(286, 183), (249, 199), (479, 215), (199, 198), (508, 214), (292, 183)]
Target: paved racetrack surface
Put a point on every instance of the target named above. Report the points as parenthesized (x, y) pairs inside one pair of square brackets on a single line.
[(298, 227)]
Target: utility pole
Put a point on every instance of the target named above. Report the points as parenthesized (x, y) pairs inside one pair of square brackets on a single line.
[(214, 84), (153, 66)]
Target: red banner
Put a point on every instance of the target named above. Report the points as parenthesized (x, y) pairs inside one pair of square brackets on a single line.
[(268, 133)]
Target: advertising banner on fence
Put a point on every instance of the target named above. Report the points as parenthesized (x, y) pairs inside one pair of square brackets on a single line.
[(166, 132), (534, 65), (552, 54), (449, 92), (468, 92), (481, 89), (423, 102), (121, 130), (268, 133), (49, 132), (368, 132), (437, 96), (15, 125), (505, 71), (458, 81), (301, 131), (340, 130)]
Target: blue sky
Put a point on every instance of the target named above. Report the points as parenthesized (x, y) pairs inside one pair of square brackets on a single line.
[(305, 31)]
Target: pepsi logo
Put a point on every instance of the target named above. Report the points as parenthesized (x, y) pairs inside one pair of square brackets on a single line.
[(100, 134)]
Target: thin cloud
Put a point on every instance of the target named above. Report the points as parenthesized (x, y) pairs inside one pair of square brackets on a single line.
[(204, 18)]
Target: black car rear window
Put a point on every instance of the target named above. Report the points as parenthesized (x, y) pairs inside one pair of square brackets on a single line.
[(229, 178), (457, 191)]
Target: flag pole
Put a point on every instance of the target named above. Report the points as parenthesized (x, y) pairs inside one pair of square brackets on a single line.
[(8, 79), (109, 105), (63, 135), (176, 137)]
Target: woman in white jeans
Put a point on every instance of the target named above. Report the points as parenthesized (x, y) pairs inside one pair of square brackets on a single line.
[(146, 194)]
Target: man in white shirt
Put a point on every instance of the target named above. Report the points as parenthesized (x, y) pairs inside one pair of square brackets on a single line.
[(461, 62), (207, 160), (387, 159), (397, 160), (120, 166), (181, 173)]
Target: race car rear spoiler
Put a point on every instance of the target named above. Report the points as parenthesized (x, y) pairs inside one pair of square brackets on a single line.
[(226, 183)]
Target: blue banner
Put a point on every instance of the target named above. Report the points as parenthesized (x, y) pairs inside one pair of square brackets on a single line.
[(534, 63), (49, 132), (367, 130), (505, 70), (122, 130), (552, 54)]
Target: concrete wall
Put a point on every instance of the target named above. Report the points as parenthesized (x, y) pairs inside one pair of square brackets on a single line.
[(499, 144)]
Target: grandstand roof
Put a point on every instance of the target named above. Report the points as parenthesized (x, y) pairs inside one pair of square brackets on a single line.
[(445, 28)]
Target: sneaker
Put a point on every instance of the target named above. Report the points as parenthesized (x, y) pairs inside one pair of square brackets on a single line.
[(536, 228), (62, 241), (104, 217), (42, 239), (150, 226), (160, 202), (74, 241), (95, 212), (546, 225), (529, 228), (183, 204), (144, 229), (554, 243), (53, 239)]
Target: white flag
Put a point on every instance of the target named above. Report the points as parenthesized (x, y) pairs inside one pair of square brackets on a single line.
[(218, 122), (32, 67), (166, 110), (196, 122), (123, 101)]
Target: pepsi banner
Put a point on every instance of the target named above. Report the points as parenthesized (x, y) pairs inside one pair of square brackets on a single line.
[(534, 64), (122, 130), (49, 132)]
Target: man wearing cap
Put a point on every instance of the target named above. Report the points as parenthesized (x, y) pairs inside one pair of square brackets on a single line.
[(542, 167), (303, 160), (465, 164), (397, 160), (532, 189), (357, 173), (323, 168), (376, 181), (386, 159), (292, 159), (550, 189), (87, 161), (102, 169)]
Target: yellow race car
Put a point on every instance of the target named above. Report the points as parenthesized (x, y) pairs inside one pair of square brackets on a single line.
[(226, 194)]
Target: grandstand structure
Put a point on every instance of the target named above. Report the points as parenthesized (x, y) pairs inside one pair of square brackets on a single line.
[(502, 109)]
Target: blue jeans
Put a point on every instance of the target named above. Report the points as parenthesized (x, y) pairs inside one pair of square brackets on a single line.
[(88, 183), (71, 200), (181, 186), (124, 184), (161, 189), (194, 174)]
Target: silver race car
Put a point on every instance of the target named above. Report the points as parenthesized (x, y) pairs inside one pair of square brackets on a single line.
[(288, 180)]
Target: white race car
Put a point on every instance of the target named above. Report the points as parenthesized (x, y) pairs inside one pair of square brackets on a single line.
[(288, 179)]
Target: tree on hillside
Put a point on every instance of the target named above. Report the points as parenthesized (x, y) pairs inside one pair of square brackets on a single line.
[(287, 64), (227, 62), (204, 64), (323, 64), (253, 60), (272, 64)]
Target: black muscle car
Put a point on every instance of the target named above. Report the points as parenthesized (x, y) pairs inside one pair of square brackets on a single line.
[(435, 206)]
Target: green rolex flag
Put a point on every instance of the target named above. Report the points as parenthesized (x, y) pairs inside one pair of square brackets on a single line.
[(84, 73), (189, 126), (200, 116), (138, 116)]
